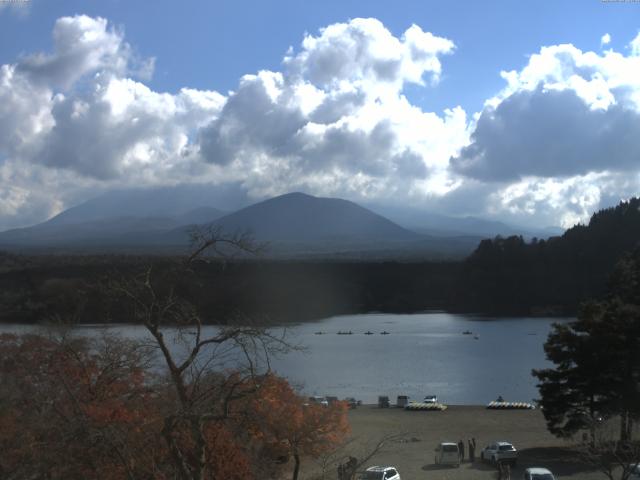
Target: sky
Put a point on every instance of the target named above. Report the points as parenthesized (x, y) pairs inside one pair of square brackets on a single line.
[(525, 112)]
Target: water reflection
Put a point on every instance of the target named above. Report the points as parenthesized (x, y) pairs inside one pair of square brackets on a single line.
[(422, 354)]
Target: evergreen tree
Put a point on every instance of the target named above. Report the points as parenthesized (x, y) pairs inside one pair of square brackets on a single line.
[(597, 360)]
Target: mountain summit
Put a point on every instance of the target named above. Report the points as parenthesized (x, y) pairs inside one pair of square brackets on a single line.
[(298, 217)]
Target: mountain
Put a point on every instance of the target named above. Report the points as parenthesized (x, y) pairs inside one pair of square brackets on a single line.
[(297, 217), (160, 202), (200, 215), (70, 231), (435, 224), (105, 232), (295, 225)]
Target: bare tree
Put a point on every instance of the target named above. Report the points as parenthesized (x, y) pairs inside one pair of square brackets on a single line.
[(352, 456), (605, 452), (191, 352)]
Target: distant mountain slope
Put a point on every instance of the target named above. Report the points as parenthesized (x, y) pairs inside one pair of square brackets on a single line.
[(297, 217), (296, 225), (435, 224), (554, 275), (70, 231), (166, 202)]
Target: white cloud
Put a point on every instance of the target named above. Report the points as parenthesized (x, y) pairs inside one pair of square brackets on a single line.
[(335, 121), (562, 137), (78, 118), (605, 39), (82, 44)]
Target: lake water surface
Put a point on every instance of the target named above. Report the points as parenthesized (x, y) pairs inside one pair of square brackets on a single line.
[(422, 354)]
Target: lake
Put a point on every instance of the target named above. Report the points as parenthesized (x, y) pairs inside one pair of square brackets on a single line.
[(422, 354)]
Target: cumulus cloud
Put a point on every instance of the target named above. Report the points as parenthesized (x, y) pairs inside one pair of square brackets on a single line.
[(81, 44), (81, 117), (335, 119), (123, 127), (605, 39), (560, 139), (561, 135), (363, 50), (550, 133)]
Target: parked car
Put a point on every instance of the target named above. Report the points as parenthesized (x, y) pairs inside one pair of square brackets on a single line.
[(319, 400), (352, 402), (447, 453), (380, 473), (499, 452), (538, 473), (383, 401), (431, 399), (635, 471)]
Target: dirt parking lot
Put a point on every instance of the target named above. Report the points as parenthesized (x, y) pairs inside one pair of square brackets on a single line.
[(415, 458)]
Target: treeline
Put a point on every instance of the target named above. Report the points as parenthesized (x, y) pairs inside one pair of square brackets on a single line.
[(509, 275), (503, 276), (35, 288)]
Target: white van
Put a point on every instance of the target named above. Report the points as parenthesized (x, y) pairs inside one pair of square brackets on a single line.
[(447, 453)]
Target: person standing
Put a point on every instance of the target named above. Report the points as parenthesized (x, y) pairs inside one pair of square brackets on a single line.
[(461, 450), (472, 451)]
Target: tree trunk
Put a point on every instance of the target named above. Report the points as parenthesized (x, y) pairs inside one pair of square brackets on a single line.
[(200, 449), (592, 425), (624, 426), (296, 468)]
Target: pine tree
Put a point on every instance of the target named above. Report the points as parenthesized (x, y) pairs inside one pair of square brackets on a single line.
[(597, 360)]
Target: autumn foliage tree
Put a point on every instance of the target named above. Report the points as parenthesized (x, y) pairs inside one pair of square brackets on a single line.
[(75, 408), (189, 402), (289, 425)]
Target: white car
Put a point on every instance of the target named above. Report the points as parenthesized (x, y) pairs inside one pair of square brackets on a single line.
[(499, 452), (380, 473), (447, 453), (537, 473), (319, 400), (431, 399)]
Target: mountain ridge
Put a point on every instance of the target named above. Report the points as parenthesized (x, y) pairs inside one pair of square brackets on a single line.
[(295, 224)]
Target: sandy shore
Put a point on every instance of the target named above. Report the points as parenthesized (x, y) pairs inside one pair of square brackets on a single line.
[(415, 458)]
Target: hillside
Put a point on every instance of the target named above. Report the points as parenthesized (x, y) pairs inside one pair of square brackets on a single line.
[(554, 275), (297, 217)]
